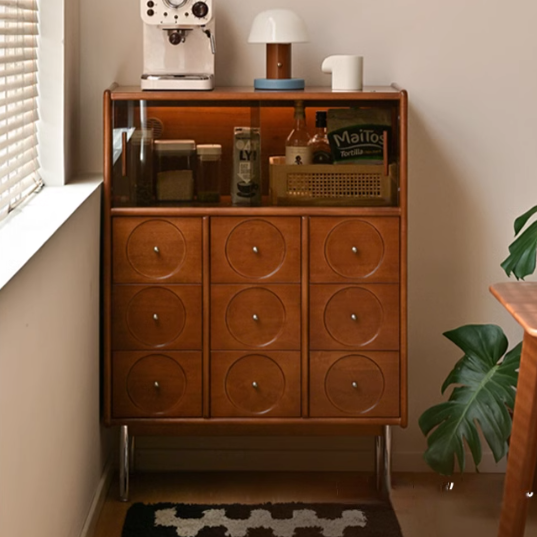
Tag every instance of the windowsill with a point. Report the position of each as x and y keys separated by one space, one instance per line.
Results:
x=32 y=224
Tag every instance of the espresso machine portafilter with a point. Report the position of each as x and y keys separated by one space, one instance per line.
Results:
x=179 y=44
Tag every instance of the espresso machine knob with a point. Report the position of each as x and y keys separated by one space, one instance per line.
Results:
x=200 y=9
x=175 y=37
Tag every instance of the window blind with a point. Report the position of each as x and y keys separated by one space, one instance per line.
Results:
x=19 y=163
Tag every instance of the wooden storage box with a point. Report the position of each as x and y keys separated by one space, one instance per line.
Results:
x=329 y=184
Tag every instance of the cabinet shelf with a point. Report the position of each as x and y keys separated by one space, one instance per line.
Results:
x=219 y=94
x=226 y=208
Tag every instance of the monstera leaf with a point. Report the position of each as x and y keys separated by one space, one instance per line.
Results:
x=522 y=251
x=484 y=393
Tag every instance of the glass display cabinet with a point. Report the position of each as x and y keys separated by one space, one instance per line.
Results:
x=270 y=314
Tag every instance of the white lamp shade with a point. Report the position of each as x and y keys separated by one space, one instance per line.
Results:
x=278 y=26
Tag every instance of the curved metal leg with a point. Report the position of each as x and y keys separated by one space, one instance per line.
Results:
x=379 y=455
x=387 y=459
x=132 y=448
x=124 y=463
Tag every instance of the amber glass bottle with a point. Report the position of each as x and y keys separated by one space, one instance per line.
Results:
x=297 y=150
x=320 y=148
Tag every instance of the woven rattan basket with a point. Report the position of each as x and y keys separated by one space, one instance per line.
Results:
x=342 y=184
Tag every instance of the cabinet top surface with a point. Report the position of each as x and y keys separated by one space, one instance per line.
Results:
x=126 y=93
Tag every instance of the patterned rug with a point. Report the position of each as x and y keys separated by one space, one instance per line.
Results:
x=265 y=520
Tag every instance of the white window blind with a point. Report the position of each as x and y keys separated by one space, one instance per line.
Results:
x=19 y=164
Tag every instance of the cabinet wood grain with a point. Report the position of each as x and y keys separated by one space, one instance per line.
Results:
x=255 y=250
x=250 y=317
x=354 y=316
x=156 y=385
x=354 y=384
x=156 y=317
x=354 y=249
x=259 y=384
x=149 y=250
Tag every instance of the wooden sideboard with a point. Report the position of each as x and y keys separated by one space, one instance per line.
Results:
x=250 y=320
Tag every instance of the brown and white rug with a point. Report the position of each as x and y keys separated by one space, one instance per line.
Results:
x=265 y=520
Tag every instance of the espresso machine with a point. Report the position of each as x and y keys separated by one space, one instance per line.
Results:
x=179 y=44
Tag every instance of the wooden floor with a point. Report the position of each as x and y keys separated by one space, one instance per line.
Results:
x=423 y=506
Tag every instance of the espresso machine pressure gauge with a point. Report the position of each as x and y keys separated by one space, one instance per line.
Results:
x=176 y=3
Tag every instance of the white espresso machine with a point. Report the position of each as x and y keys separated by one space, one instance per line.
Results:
x=179 y=44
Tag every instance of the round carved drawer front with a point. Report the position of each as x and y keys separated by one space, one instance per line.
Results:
x=354 y=384
x=354 y=249
x=353 y=316
x=255 y=384
x=156 y=249
x=156 y=384
x=255 y=249
x=255 y=317
x=156 y=316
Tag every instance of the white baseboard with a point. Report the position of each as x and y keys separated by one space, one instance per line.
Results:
x=99 y=498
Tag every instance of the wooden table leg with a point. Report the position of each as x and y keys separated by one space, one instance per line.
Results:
x=523 y=446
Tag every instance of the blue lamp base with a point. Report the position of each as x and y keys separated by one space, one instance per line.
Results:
x=279 y=84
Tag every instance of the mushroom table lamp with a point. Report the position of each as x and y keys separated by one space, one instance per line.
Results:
x=278 y=28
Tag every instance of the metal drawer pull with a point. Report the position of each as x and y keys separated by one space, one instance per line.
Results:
x=354 y=250
x=255 y=317
x=155 y=317
x=157 y=385
x=255 y=385
x=354 y=317
x=156 y=250
x=355 y=385
x=255 y=250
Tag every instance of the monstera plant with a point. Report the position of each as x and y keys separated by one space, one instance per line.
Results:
x=485 y=378
x=521 y=259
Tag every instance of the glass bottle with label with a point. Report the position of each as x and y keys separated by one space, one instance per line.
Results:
x=297 y=150
x=320 y=147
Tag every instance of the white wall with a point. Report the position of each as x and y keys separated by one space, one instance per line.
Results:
x=469 y=69
x=52 y=451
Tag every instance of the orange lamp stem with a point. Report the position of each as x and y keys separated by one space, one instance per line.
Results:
x=278 y=61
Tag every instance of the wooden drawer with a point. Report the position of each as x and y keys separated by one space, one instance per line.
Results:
x=255 y=249
x=161 y=250
x=354 y=316
x=152 y=317
x=255 y=385
x=358 y=384
x=158 y=385
x=249 y=317
x=354 y=249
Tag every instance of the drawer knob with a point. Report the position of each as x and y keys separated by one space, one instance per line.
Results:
x=255 y=385
x=255 y=317
x=354 y=317
x=255 y=249
x=156 y=250
x=355 y=385
x=157 y=385
x=155 y=317
x=354 y=250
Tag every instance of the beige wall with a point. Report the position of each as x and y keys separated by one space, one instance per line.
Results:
x=469 y=70
x=52 y=451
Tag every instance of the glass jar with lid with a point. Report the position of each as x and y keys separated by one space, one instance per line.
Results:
x=175 y=162
x=139 y=156
x=209 y=172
